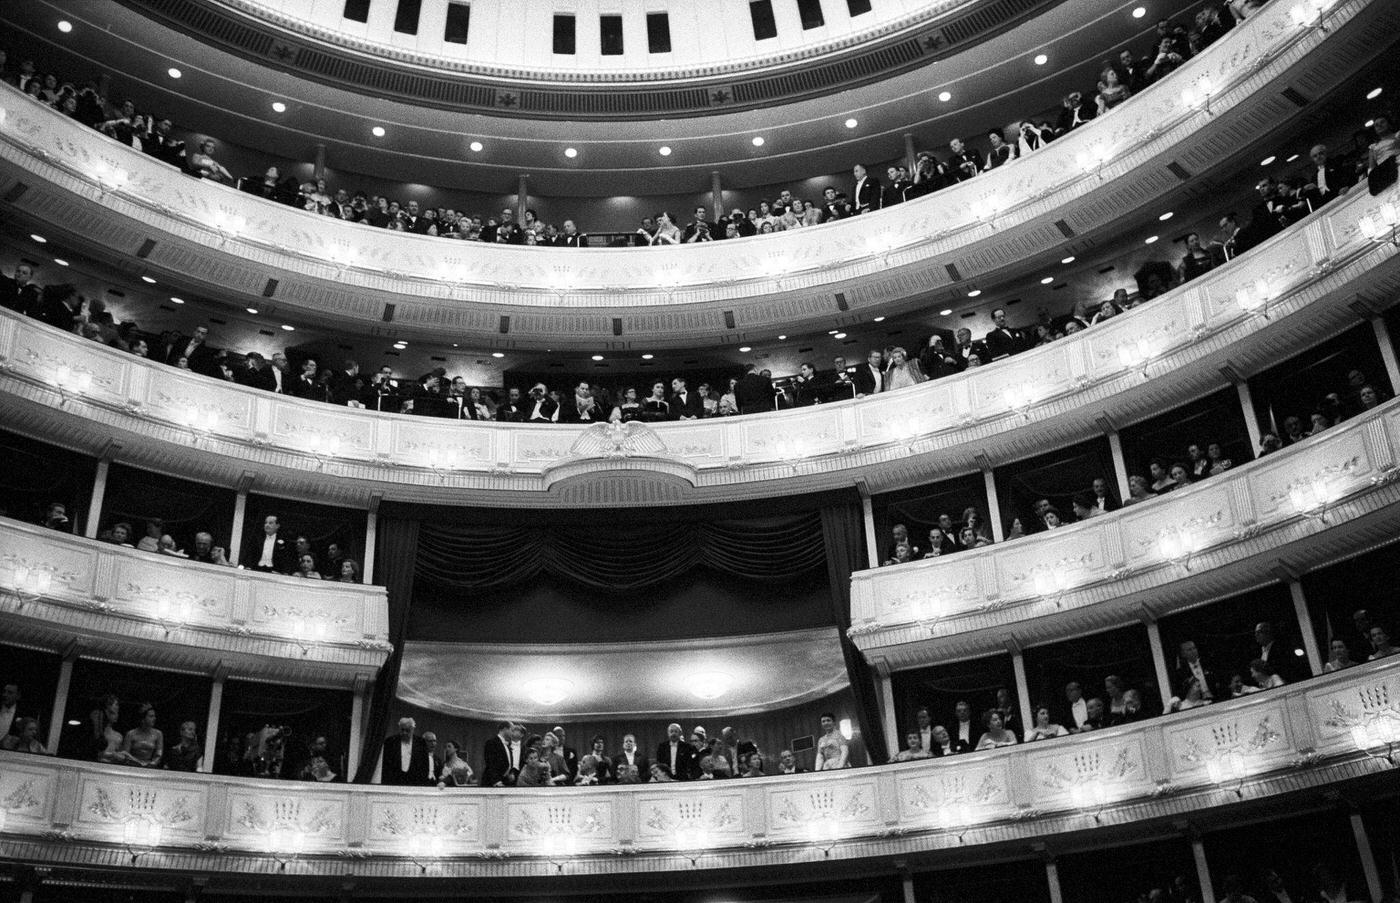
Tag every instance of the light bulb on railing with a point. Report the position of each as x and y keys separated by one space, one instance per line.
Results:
x=1197 y=96
x=1383 y=225
x=1051 y=581
x=69 y=380
x=1177 y=545
x=1254 y=297
x=32 y=580
x=422 y=846
x=141 y=834
x=1133 y=355
x=988 y=207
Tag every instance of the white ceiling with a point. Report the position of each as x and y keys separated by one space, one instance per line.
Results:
x=652 y=679
x=230 y=97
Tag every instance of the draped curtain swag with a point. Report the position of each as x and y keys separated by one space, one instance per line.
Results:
x=620 y=556
x=398 y=547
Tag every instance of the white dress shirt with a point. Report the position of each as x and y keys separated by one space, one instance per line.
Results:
x=1080 y=711
x=926 y=738
x=405 y=755
x=965 y=731
x=675 y=750
x=269 y=546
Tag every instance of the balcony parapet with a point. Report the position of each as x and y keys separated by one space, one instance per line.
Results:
x=162 y=611
x=61 y=385
x=1250 y=751
x=989 y=228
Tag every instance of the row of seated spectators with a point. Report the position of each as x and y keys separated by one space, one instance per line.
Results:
x=272 y=555
x=1173 y=44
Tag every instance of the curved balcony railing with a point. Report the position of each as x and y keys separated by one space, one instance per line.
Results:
x=938 y=429
x=1251 y=750
x=1312 y=503
x=161 y=611
x=1196 y=119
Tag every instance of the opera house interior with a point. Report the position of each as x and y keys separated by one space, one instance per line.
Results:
x=1043 y=483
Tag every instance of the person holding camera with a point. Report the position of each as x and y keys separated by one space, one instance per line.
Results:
x=541 y=408
x=700 y=229
x=56 y=517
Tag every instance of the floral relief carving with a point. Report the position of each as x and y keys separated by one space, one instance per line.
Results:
x=930 y=796
x=140 y=803
x=1332 y=473
x=287 y=813
x=166 y=594
x=691 y=814
x=1369 y=704
x=477 y=451
x=1191 y=525
x=314 y=615
x=1090 y=766
x=1232 y=737
x=424 y=819
x=40 y=360
x=555 y=820
x=823 y=805
x=22 y=798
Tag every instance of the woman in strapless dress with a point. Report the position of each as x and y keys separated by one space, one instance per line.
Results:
x=144 y=745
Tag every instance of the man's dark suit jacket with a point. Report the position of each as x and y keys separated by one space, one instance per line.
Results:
x=547 y=409
x=979 y=348
x=509 y=413
x=687 y=764
x=201 y=361
x=391 y=770
x=302 y=387
x=568 y=412
x=1338 y=180
x=691 y=406
x=961 y=746
x=867 y=383
x=868 y=198
x=284 y=555
x=638 y=758
x=496 y=768
x=577 y=240
x=1003 y=343
x=1292 y=668
x=21 y=300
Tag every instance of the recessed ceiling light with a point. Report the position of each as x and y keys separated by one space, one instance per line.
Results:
x=946 y=312
x=39 y=238
x=1068 y=260
x=597 y=357
x=251 y=310
x=279 y=107
x=1166 y=216
x=664 y=151
x=1268 y=161
x=879 y=319
x=65 y=26
x=744 y=349
x=945 y=96
x=782 y=338
x=496 y=354
x=288 y=328
x=175 y=300
x=1291 y=159
x=757 y=140
x=1151 y=239
x=1041 y=59
x=377 y=131
x=1370 y=122
x=548 y=690
x=60 y=261
x=839 y=335
x=974 y=293
x=475 y=147
x=454 y=345
x=851 y=123
x=148 y=280
x=1370 y=95
x=647 y=357
x=173 y=72
x=832 y=331
x=571 y=152
x=1139 y=12
x=1047 y=280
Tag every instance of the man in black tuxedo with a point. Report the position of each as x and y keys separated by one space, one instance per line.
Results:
x=835 y=205
x=1189 y=666
x=539 y=407
x=700 y=228
x=511 y=410
x=866 y=195
x=582 y=407
x=1074 y=112
x=685 y=405
x=1325 y=180
x=1132 y=73
x=962 y=165
x=571 y=237
x=503 y=755
x=11 y=711
x=632 y=756
x=787 y=763
x=965 y=734
x=805 y=387
x=406 y=761
x=754 y=393
x=948 y=542
x=942 y=743
x=1292 y=668
x=194 y=348
x=346 y=385
x=677 y=756
x=966 y=348
x=1003 y=341
x=935 y=360
x=20 y=294
x=1103 y=499
x=870 y=377
x=898 y=187
x=251 y=372
x=304 y=386
x=273 y=554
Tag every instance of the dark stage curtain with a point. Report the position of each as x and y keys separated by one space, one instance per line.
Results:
x=398 y=548
x=844 y=545
x=620 y=556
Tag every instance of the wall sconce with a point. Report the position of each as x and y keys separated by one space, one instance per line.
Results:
x=824 y=833
x=957 y=815
x=1382 y=226
x=307 y=633
x=229 y=225
x=1254 y=297
x=1083 y=796
x=1377 y=732
x=1020 y=397
x=441 y=464
x=1197 y=96
x=693 y=843
x=1227 y=767
x=423 y=849
x=323 y=448
x=928 y=607
x=109 y=177
x=1094 y=159
x=285 y=845
x=172 y=615
x=1311 y=496
x=1178 y=544
x=199 y=421
x=1310 y=13
x=558 y=847
x=790 y=452
x=1135 y=355
x=1050 y=582
x=988 y=208
x=30 y=583
x=70 y=382
x=140 y=838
